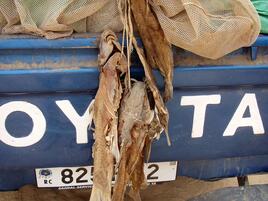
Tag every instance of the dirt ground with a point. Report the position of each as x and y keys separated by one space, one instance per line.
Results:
x=180 y=190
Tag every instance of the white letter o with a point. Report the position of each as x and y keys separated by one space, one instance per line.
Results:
x=39 y=123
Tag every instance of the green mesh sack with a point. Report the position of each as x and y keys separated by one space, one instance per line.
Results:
x=262 y=8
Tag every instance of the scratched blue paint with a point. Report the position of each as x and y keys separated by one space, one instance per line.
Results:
x=211 y=156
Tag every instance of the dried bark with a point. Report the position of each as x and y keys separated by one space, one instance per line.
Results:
x=107 y=101
x=157 y=48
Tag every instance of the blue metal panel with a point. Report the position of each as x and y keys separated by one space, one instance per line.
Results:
x=211 y=156
x=76 y=41
x=212 y=145
x=261 y=42
x=47 y=58
x=47 y=80
x=58 y=146
x=254 y=192
x=29 y=42
x=227 y=167
x=86 y=79
x=26 y=42
x=40 y=81
x=217 y=76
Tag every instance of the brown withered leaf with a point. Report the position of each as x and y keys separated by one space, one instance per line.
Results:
x=107 y=101
x=158 y=49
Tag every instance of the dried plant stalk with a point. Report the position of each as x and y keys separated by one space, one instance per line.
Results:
x=157 y=48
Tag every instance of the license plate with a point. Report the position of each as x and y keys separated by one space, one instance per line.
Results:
x=83 y=176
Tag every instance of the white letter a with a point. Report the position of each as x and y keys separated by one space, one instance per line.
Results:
x=254 y=121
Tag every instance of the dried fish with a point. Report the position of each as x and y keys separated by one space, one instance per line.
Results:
x=132 y=131
x=135 y=127
x=107 y=101
x=131 y=110
x=134 y=154
x=126 y=122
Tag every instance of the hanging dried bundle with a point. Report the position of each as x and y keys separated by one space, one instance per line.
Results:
x=124 y=118
x=128 y=114
x=112 y=64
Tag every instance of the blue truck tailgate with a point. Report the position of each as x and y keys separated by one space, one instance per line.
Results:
x=218 y=116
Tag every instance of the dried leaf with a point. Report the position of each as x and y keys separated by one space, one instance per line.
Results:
x=157 y=48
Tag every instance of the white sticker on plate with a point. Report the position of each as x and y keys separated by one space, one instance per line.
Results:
x=83 y=176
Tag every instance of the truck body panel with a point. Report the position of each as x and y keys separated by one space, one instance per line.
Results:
x=226 y=136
